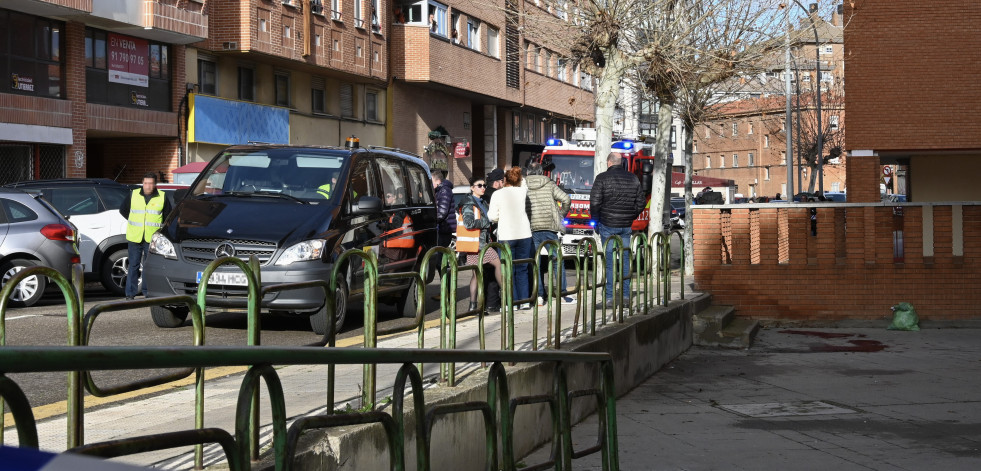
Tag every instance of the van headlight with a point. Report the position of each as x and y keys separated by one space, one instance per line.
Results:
x=161 y=246
x=306 y=250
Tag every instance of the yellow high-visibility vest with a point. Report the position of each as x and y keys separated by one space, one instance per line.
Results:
x=324 y=190
x=145 y=218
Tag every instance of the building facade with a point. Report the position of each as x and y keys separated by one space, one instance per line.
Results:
x=465 y=74
x=94 y=86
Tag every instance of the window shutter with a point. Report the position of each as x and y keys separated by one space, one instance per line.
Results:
x=347 y=100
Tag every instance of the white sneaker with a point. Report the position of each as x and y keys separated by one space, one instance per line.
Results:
x=524 y=306
x=541 y=301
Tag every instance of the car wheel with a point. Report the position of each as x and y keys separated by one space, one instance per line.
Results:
x=318 y=320
x=168 y=317
x=405 y=305
x=29 y=291
x=113 y=273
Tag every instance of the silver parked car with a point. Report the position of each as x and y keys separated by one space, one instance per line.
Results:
x=33 y=233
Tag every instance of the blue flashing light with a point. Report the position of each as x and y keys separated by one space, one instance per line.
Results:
x=554 y=142
x=565 y=222
x=592 y=223
x=622 y=145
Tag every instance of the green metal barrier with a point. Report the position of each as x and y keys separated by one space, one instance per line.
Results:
x=618 y=278
x=76 y=425
x=368 y=393
x=497 y=409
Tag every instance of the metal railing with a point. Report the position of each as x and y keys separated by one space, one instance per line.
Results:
x=497 y=411
x=588 y=279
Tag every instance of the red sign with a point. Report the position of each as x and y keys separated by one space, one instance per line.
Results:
x=461 y=150
x=129 y=60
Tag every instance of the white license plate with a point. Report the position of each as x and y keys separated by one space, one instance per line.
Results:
x=230 y=279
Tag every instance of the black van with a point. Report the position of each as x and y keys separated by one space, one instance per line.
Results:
x=296 y=209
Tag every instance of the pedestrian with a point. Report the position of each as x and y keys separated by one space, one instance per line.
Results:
x=514 y=228
x=145 y=210
x=549 y=205
x=615 y=201
x=445 y=214
x=473 y=216
x=492 y=290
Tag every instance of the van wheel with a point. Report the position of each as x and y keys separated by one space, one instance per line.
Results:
x=318 y=320
x=168 y=317
x=29 y=291
x=405 y=305
x=114 y=270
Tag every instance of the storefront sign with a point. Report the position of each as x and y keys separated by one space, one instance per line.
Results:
x=21 y=82
x=138 y=99
x=129 y=60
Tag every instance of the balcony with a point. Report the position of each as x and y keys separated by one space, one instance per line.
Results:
x=159 y=20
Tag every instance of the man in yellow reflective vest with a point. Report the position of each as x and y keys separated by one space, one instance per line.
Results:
x=145 y=212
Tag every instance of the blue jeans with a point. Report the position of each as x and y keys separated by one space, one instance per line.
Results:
x=624 y=233
x=520 y=248
x=136 y=252
x=537 y=238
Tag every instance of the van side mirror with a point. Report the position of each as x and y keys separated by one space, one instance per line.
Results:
x=367 y=205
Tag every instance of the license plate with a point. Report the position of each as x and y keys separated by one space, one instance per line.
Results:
x=228 y=279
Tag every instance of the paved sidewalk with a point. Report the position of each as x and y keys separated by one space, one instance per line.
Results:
x=807 y=399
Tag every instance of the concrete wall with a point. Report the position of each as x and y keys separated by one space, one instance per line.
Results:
x=639 y=347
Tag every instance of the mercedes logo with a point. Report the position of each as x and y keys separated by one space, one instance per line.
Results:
x=225 y=250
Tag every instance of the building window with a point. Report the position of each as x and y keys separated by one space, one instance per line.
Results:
x=735 y=160
x=750 y=161
x=437 y=19
x=827 y=49
x=246 y=83
x=750 y=131
x=207 y=75
x=335 y=10
x=493 y=42
x=833 y=121
x=708 y=162
x=282 y=80
x=375 y=20
x=708 y=132
x=560 y=69
x=722 y=161
x=318 y=95
x=31 y=59
x=806 y=78
x=735 y=129
x=371 y=106
x=674 y=137
x=766 y=173
x=358 y=15
x=766 y=140
x=347 y=100
x=473 y=34
x=537 y=57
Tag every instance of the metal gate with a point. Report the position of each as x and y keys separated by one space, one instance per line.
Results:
x=19 y=162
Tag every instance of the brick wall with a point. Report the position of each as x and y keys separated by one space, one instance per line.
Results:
x=769 y=263
x=134 y=157
x=913 y=69
x=75 y=94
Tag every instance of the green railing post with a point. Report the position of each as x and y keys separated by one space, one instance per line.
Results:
x=638 y=245
x=368 y=393
x=447 y=305
x=681 y=271
x=75 y=422
x=507 y=292
x=553 y=307
x=666 y=266
x=243 y=414
x=20 y=408
x=617 y=263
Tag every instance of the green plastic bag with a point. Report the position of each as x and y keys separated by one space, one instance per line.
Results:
x=904 y=318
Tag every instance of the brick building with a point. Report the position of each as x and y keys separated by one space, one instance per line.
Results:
x=94 y=86
x=460 y=67
x=912 y=97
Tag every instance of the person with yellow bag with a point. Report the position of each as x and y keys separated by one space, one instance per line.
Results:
x=473 y=233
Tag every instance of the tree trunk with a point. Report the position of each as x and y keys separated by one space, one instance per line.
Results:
x=607 y=93
x=689 y=248
x=659 y=220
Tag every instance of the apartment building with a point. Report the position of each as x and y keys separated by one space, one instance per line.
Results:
x=490 y=95
x=94 y=86
x=288 y=72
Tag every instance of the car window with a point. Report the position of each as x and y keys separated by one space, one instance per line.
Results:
x=72 y=201
x=420 y=190
x=392 y=183
x=17 y=212
x=362 y=183
x=113 y=198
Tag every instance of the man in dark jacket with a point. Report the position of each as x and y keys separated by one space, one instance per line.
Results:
x=445 y=213
x=615 y=201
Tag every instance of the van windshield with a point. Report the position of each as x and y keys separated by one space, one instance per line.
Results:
x=304 y=175
x=572 y=172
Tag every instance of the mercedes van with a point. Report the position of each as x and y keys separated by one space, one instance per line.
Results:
x=296 y=209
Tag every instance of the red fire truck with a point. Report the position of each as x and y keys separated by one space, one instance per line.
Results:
x=569 y=163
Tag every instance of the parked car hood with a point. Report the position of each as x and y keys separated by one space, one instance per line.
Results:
x=254 y=218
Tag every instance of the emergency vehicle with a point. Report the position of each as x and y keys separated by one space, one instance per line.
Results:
x=569 y=163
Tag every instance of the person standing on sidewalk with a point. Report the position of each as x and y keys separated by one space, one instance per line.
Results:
x=145 y=212
x=492 y=290
x=615 y=200
x=473 y=216
x=549 y=204
x=514 y=227
x=445 y=214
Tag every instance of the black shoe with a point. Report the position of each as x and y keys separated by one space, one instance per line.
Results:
x=494 y=309
x=130 y=298
x=473 y=307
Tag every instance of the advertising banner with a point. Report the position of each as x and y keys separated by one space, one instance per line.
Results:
x=129 y=60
